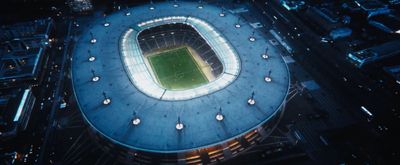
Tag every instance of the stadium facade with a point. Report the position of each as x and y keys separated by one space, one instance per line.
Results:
x=134 y=117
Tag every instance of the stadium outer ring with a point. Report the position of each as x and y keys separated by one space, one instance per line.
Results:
x=95 y=127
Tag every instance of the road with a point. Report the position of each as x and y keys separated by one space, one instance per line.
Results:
x=57 y=97
x=327 y=64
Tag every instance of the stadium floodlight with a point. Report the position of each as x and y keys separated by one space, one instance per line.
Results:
x=92 y=40
x=106 y=100
x=92 y=58
x=151 y=5
x=176 y=4
x=219 y=115
x=237 y=25
x=200 y=6
x=222 y=14
x=179 y=125
x=251 y=100
x=106 y=23
x=267 y=79
x=252 y=38
x=265 y=55
x=136 y=119
x=95 y=78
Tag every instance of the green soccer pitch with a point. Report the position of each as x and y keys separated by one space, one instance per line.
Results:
x=176 y=69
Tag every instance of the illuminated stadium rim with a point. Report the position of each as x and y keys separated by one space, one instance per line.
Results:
x=140 y=73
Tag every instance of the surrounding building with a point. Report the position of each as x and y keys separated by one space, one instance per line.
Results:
x=16 y=105
x=23 y=52
x=373 y=7
x=23 y=55
x=372 y=54
x=388 y=23
x=394 y=72
x=80 y=6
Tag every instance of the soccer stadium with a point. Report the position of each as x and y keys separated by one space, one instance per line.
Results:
x=183 y=83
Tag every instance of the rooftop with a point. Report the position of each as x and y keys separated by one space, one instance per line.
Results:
x=110 y=104
x=20 y=59
x=13 y=108
x=378 y=52
x=22 y=49
x=394 y=71
x=387 y=23
x=370 y=4
x=37 y=28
